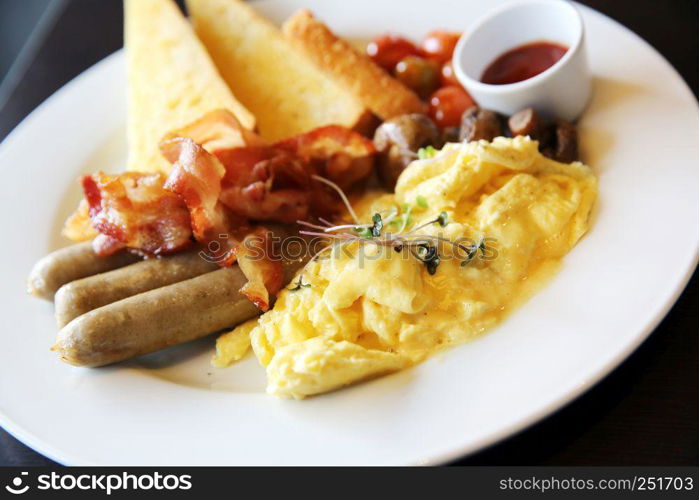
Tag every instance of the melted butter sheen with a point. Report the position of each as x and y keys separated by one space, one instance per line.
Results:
x=372 y=311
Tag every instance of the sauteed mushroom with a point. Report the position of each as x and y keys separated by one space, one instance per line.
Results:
x=398 y=141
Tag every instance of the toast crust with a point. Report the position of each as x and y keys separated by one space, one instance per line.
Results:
x=282 y=87
x=380 y=92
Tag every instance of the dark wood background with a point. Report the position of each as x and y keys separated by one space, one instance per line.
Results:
x=645 y=413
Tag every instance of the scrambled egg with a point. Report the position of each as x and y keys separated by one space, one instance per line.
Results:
x=365 y=310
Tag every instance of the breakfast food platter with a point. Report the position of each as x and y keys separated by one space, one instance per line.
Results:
x=173 y=407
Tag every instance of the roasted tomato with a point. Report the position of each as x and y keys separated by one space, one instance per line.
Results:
x=388 y=50
x=447 y=77
x=419 y=74
x=439 y=44
x=448 y=104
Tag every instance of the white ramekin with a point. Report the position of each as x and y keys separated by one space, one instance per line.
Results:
x=561 y=91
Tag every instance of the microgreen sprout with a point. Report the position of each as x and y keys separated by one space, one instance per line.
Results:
x=298 y=285
x=378 y=225
x=363 y=232
x=427 y=253
x=473 y=250
x=425 y=153
x=442 y=219
x=424 y=247
x=339 y=191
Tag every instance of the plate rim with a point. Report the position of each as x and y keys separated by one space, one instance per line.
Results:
x=618 y=360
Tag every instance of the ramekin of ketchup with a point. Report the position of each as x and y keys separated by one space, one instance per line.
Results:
x=523 y=62
x=527 y=54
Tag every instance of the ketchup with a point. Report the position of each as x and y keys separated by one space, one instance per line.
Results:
x=523 y=62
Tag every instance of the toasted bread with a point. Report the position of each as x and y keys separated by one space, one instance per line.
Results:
x=171 y=80
x=356 y=72
x=279 y=84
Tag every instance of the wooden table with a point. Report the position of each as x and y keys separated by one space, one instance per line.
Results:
x=645 y=413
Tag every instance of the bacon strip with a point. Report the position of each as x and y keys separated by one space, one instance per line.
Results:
x=334 y=152
x=273 y=183
x=196 y=177
x=104 y=245
x=223 y=177
x=261 y=182
x=264 y=184
x=264 y=273
x=133 y=209
x=78 y=226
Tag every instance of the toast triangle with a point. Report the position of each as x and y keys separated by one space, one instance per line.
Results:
x=172 y=81
x=278 y=83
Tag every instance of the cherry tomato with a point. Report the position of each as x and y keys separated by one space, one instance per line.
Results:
x=439 y=44
x=388 y=50
x=418 y=74
x=447 y=75
x=448 y=104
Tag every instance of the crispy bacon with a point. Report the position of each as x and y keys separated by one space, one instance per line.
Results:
x=263 y=272
x=252 y=180
x=135 y=210
x=196 y=177
x=334 y=152
x=273 y=183
x=261 y=182
x=104 y=245
x=78 y=227
x=264 y=184
x=223 y=179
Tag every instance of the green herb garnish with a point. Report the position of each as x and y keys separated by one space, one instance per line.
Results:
x=364 y=232
x=378 y=225
x=373 y=231
x=472 y=251
x=442 y=219
x=427 y=253
x=299 y=285
x=402 y=221
x=432 y=265
x=426 y=152
x=422 y=246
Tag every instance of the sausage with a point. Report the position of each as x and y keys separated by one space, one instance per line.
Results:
x=477 y=124
x=159 y=318
x=80 y=296
x=398 y=141
x=69 y=264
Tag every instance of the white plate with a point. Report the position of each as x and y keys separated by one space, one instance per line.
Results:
x=641 y=134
